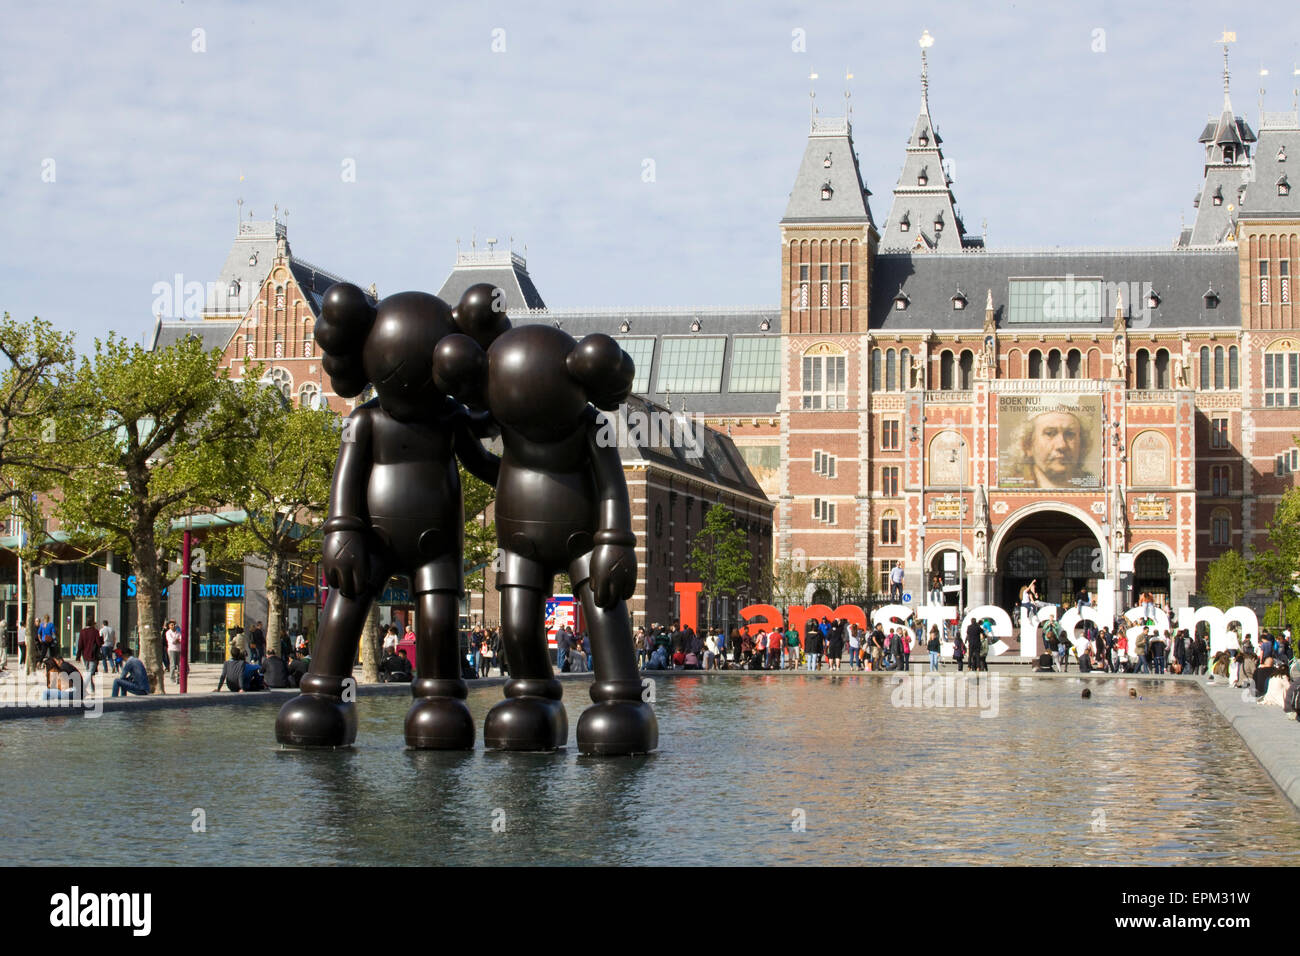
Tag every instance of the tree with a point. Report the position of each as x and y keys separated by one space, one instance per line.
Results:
x=480 y=536
x=1226 y=580
x=1277 y=571
x=33 y=403
x=153 y=434
x=790 y=581
x=720 y=558
x=283 y=489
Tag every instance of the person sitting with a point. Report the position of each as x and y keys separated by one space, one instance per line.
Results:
x=68 y=683
x=1265 y=674
x=134 y=680
x=239 y=675
x=274 y=670
x=1044 y=663
x=658 y=659
x=298 y=667
x=1222 y=665
x=395 y=668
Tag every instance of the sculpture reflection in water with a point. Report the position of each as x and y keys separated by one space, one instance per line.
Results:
x=395 y=508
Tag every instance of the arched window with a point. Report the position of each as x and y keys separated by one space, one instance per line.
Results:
x=889 y=527
x=1054 y=364
x=966 y=368
x=1205 y=366
x=945 y=370
x=1078 y=563
x=891 y=371
x=280 y=379
x=1218 y=366
x=824 y=383
x=1233 y=381
x=1162 y=368
x=1035 y=364
x=875 y=370
x=905 y=369
x=1073 y=363
x=309 y=395
x=1141 y=369
x=1026 y=561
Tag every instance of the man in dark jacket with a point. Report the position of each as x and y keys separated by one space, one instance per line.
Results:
x=975 y=645
x=88 y=645
x=274 y=670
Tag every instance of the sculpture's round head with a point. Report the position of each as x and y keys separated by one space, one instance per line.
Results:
x=388 y=345
x=535 y=379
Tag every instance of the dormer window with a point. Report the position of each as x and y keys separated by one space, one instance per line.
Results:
x=904 y=224
x=959 y=301
x=922 y=178
x=1229 y=154
x=923 y=140
x=765 y=326
x=695 y=325
x=938 y=225
x=1211 y=298
x=827 y=192
x=827 y=161
x=625 y=326
x=1153 y=300
x=234 y=287
x=1283 y=187
x=1218 y=196
x=901 y=300
x=252 y=260
x=1281 y=154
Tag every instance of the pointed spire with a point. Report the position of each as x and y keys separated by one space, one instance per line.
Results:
x=925 y=42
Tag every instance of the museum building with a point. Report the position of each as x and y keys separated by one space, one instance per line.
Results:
x=918 y=399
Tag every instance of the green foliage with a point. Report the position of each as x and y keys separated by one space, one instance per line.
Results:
x=151 y=436
x=480 y=537
x=1226 y=580
x=720 y=558
x=1277 y=571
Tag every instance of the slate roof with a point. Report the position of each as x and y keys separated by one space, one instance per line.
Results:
x=1180 y=277
x=247 y=263
x=727 y=322
x=921 y=206
x=704 y=452
x=848 y=200
x=215 y=333
x=507 y=271
x=1225 y=178
x=1277 y=131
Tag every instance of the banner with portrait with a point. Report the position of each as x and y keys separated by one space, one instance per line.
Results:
x=1050 y=442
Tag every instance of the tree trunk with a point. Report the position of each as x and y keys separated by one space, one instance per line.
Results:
x=148 y=587
x=276 y=572
x=372 y=646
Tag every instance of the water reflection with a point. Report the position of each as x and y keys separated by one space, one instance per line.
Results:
x=753 y=769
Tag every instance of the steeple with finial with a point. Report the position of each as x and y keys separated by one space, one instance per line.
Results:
x=923 y=216
x=1227 y=140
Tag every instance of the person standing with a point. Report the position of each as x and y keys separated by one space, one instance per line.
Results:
x=896 y=583
x=974 y=644
x=933 y=648
x=22 y=643
x=877 y=648
x=562 y=645
x=44 y=639
x=812 y=644
x=108 y=647
x=88 y=643
x=173 y=637
x=958 y=651
x=835 y=644
x=855 y=647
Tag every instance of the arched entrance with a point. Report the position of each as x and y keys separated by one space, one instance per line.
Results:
x=947 y=565
x=1055 y=544
x=1151 y=573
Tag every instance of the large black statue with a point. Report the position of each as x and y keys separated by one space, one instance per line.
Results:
x=395 y=508
x=561 y=504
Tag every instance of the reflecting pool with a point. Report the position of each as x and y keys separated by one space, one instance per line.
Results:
x=753 y=769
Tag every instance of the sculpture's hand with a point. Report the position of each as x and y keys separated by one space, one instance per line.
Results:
x=348 y=565
x=613 y=573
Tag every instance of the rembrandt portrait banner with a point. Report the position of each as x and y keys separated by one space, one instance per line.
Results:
x=1049 y=442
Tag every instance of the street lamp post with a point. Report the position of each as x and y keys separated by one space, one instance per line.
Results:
x=185 y=604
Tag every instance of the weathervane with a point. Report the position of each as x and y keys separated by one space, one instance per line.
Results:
x=925 y=42
x=1229 y=36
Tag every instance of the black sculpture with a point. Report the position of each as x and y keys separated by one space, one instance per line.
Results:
x=561 y=504
x=395 y=508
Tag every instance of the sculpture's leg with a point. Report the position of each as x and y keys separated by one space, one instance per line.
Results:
x=324 y=714
x=619 y=721
x=532 y=716
x=439 y=719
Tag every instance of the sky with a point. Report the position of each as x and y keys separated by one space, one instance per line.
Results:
x=643 y=152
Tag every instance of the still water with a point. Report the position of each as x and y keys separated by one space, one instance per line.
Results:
x=753 y=769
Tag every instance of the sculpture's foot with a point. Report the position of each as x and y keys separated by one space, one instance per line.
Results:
x=616 y=727
x=530 y=718
x=316 y=720
x=439 y=723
